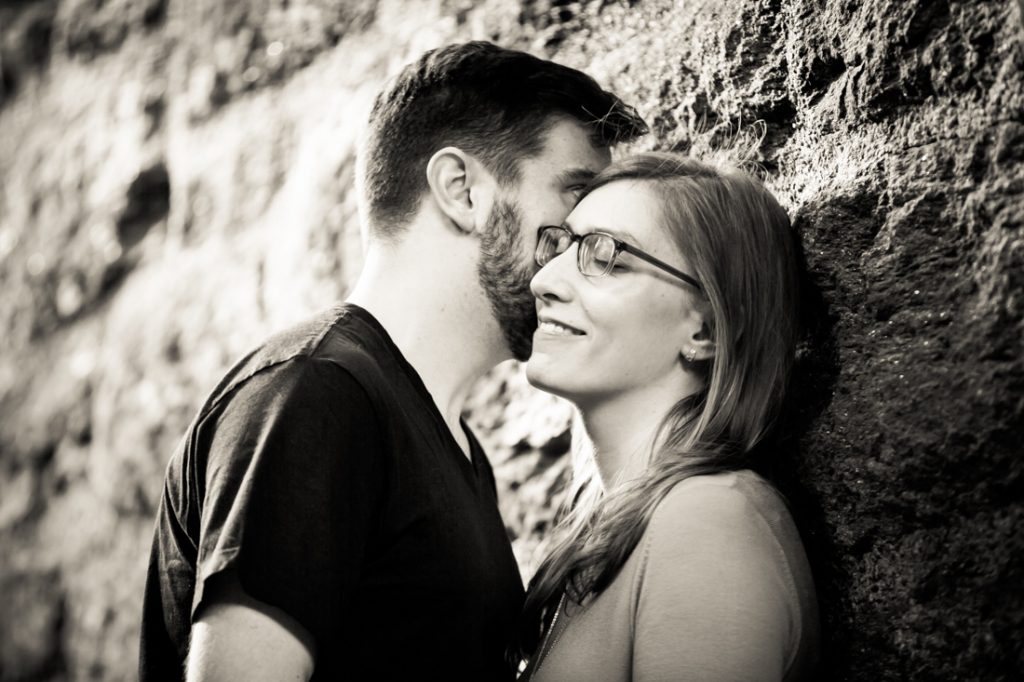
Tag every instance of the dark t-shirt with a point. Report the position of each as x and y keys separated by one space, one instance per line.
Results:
x=321 y=472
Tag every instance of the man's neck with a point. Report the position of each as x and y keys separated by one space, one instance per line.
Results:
x=444 y=330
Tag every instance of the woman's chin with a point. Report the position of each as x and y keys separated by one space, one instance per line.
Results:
x=541 y=377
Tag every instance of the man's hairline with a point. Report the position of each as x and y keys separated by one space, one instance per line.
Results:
x=550 y=122
x=513 y=182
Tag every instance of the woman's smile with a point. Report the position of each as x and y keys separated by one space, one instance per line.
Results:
x=551 y=327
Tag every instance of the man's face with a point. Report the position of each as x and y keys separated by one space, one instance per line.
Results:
x=545 y=194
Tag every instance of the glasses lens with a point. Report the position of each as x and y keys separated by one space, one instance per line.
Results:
x=597 y=255
x=553 y=241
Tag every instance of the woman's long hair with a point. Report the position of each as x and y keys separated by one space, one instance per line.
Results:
x=738 y=241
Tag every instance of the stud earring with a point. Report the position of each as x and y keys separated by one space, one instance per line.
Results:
x=691 y=355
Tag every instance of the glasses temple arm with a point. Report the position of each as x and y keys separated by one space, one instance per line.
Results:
x=663 y=265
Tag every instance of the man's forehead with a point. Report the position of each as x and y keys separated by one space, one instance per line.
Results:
x=572 y=148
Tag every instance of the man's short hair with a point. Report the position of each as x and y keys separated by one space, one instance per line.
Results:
x=491 y=102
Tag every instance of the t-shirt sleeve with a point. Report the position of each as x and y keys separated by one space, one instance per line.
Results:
x=292 y=484
x=712 y=600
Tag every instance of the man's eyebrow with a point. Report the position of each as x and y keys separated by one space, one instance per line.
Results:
x=576 y=175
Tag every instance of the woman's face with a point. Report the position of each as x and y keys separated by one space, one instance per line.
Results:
x=625 y=331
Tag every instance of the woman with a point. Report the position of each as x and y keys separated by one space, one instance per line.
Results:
x=667 y=311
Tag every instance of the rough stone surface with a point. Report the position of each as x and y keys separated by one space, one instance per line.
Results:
x=175 y=184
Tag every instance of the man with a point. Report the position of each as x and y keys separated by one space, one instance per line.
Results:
x=329 y=514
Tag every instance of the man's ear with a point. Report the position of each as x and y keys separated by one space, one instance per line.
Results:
x=461 y=188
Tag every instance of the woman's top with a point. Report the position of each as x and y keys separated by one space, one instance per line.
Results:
x=718 y=588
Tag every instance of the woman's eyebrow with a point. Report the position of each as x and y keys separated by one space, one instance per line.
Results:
x=621 y=236
x=628 y=238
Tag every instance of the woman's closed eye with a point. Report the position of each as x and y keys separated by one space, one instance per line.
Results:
x=617 y=265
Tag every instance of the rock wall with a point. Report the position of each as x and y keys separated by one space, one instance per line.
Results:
x=175 y=184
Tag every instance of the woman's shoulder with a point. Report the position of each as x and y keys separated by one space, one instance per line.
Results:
x=722 y=548
x=731 y=496
x=727 y=517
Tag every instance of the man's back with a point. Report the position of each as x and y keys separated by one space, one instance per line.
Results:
x=322 y=475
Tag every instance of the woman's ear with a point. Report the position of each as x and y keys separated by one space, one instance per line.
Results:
x=700 y=346
x=699 y=337
x=461 y=188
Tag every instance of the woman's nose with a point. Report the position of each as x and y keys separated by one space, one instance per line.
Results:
x=553 y=281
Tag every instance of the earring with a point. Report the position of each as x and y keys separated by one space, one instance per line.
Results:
x=691 y=355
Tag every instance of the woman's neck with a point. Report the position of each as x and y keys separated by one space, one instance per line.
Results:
x=623 y=428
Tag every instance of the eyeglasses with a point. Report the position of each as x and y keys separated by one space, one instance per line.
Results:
x=597 y=252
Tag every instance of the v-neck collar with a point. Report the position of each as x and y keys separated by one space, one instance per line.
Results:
x=471 y=464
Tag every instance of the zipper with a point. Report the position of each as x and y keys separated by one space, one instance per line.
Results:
x=551 y=639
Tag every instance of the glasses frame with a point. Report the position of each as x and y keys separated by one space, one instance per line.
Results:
x=620 y=246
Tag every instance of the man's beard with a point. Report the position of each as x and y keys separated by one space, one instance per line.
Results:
x=506 y=280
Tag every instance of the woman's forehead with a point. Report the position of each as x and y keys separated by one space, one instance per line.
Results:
x=626 y=209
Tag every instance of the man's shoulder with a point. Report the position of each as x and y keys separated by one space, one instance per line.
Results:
x=341 y=334
x=338 y=340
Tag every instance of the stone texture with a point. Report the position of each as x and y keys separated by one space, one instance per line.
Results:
x=175 y=184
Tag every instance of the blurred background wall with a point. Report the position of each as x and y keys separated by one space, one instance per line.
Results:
x=175 y=184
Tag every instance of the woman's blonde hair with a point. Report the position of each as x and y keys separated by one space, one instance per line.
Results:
x=738 y=241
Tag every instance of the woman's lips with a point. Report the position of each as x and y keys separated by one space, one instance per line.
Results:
x=556 y=328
